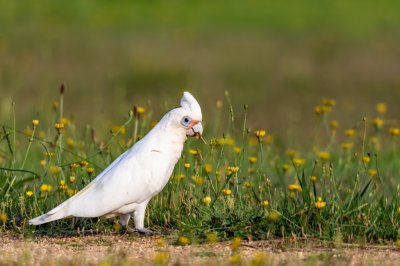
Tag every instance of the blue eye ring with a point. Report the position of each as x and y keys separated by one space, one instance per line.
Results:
x=186 y=121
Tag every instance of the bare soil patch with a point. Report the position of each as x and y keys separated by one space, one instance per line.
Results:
x=130 y=249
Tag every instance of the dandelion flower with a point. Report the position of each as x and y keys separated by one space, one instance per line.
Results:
x=29 y=193
x=193 y=152
x=226 y=192
x=313 y=178
x=286 y=167
x=252 y=159
x=298 y=161
x=212 y=237
x=378 y=122
x=72 y=179
x=260 y=134
x=59 y=126
x=161 y=258
x=90 y=170
x=208 y=168
x=237 y=150
x=207 y=200
x=324 y=155
x=328 y=102
x=73 y=165
x=54 y=169
x=349 y=132
x=43 y=163
x=247 y=184
x=183 y=241
x=46 y=188
x=372 y=172
x=236 y=242
x=394 y=131
x=3 y=217
x=333 y=125
x=35 y=123
x=320 y=204
x=381 y=108
x=186 y=165
x=294 y=187
x=265 y=203
x=273 y=216
x=84 y=163
x=232 y=170
x=346 y=146
x=366 y=159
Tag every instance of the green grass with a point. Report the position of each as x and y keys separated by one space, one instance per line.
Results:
x=355 y=175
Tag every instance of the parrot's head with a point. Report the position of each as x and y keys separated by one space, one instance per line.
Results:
x=188 y=116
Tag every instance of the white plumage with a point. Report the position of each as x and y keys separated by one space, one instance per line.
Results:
x=126 y=186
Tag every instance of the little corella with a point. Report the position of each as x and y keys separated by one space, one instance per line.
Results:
x=126 y=186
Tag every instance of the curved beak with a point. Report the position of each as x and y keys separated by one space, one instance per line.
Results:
x=195 y=130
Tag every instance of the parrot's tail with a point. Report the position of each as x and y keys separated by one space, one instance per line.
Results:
x=49 y=217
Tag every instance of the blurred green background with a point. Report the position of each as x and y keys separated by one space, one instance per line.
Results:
x=279 y=57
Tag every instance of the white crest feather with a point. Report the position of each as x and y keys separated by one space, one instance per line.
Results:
x=190 y=103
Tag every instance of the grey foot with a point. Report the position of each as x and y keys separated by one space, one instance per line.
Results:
x=145 y=231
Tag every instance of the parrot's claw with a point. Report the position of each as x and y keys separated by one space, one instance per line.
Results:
x=147 y=232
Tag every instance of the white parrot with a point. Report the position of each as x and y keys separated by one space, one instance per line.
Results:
x=126 y=186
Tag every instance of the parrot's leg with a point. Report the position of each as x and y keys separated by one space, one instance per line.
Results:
x=123 y=221
x=138 y=216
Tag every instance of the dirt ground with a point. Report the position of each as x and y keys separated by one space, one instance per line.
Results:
x=137 y=250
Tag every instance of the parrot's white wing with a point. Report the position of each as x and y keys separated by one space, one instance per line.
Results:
x=127 y=180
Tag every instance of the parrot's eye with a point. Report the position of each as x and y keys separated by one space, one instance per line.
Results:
x=186 y=121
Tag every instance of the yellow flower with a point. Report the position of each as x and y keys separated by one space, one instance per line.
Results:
x=235 y=259
x=265 y=203
x=286 y=167
x=186 y=165
x=320 y=204
x=366 y=159
x=3 y=217
x=226 y=192
x=381 y=108
x=260 y=134
x=140 y=110
x=72 y=179
x=73 y=165
x=118 y=129
x=59 y=126
x=212 y=237
x=160 y=242
x=232 y=170
x=324 y=155
x=329 y=102
x=236 y=242
x=372 y=172
x=62 y=185
x=207 y=200
x=71 y=192
x=198 y=180
x=298 y=161
x=292 y=153
x=54 y=170
x=394 y=131
x=208 y=168
x=237 y=150
x=346 y=146
x=35 y=123
x=313 y=178
x=247 y=185
x=319 y=110
x=161 y=258
x=28 y=131
x=43 y=163
x=378 y=122
x=84 y=163
x=333 y=125
x=349 y=132
x=193 y=152
x=259 y=258
x=49 y=154
x=273 y=216
x=70 y=143
x=46 y=188
x=29 y=193
x=398 y=210
x=183 y=241
x=294 y=187
x=252 y=159
x=90 y=170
